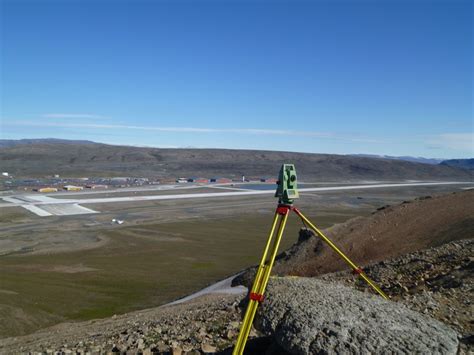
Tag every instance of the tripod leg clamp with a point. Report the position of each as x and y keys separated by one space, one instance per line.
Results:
x=256 y=297
x=283 y=210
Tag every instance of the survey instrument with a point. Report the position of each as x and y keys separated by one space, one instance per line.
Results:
x=287 y=192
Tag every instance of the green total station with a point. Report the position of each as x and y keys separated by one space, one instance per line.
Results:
x=287 y=189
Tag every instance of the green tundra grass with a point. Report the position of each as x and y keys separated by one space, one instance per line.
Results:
x=141 y=266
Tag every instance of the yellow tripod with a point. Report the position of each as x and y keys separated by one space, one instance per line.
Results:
x=265 y=267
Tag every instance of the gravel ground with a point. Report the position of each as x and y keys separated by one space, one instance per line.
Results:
x=203 y=325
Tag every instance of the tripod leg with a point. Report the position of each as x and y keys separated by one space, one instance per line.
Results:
x=268 y=270
x=247 y=321
x=261 y=279
x=356 y=269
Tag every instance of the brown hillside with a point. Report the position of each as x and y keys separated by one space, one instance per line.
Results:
x=389 y=232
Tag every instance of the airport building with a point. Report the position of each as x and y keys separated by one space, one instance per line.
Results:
x=46 y=189
x=197 y=179
x=220 y=180
x=97 y=187
x=72 y=188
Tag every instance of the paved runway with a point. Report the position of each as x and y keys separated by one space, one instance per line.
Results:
x=44 y=206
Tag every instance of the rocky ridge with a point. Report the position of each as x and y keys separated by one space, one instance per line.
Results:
x=390 y=232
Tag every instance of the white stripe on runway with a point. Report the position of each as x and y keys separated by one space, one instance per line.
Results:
x=63 y=209
x=13 y=200
x=36 y=210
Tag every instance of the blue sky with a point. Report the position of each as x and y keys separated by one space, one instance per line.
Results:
x=381 y=77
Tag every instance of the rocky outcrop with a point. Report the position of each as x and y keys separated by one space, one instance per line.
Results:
x=438 y=282
x=310 y=316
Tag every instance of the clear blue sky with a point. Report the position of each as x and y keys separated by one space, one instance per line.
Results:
x=380 y=77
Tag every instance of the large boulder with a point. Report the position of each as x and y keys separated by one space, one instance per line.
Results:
x=310 y=316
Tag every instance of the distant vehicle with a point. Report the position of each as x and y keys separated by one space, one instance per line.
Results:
x=182 y=181
x=117 y=221
x=268 y=180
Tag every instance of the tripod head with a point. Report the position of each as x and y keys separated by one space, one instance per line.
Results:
x=287 y=189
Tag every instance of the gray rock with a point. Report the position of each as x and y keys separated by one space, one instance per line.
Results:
x=310 y=316
x=208 y=348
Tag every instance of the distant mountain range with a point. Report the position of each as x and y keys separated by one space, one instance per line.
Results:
x=39 y=158
x=433 y=161
x=457 y=163
x=460 y=163
x=15 y=142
